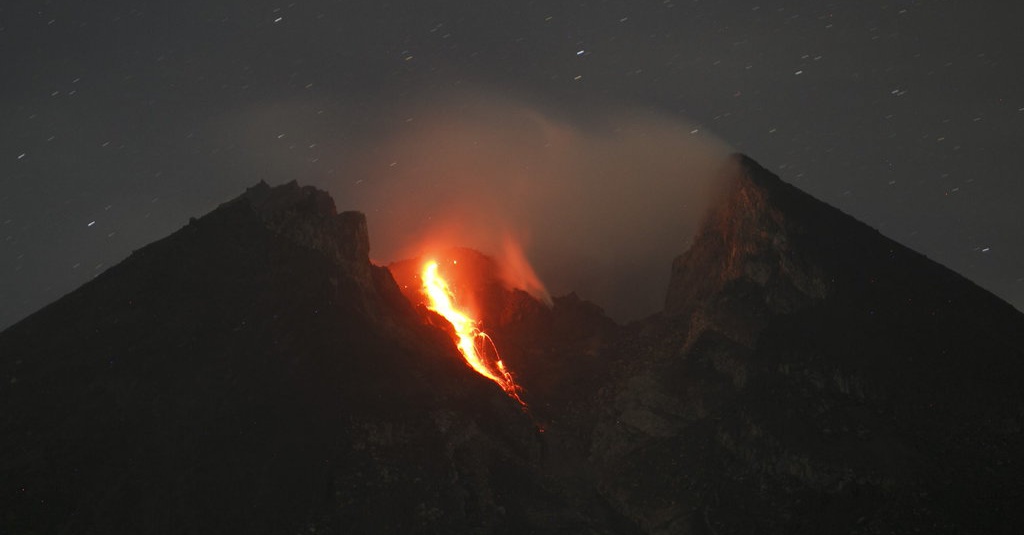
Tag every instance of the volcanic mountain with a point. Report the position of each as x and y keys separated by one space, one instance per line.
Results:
x=255 y=372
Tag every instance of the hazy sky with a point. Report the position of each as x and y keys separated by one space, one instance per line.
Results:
x=119 y=120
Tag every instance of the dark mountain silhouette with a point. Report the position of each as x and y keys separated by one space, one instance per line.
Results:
x=809 y=375
x=254 y=372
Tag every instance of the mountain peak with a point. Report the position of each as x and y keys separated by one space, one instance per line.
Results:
x=308 y=217
x=772 y=249
x=748 y=239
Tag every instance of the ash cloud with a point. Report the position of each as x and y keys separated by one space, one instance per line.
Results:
x=599 y=205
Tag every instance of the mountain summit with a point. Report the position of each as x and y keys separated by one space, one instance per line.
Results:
x=810 y=375
x=254 y=372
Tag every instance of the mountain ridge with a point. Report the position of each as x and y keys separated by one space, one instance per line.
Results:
x=833 y=379
x=254 y=371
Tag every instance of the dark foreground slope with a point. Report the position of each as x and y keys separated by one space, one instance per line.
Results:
x=254 y=373
x=809 y=375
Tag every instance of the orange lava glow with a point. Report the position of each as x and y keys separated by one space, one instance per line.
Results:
x=475 y=345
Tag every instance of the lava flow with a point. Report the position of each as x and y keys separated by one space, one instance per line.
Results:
x=475 y=345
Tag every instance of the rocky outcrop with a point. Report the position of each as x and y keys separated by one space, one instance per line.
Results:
x=810 y=375
x=753 y=237
x=307 y=217
x=253 y=372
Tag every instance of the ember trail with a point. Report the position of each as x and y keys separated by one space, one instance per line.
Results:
x=475 y=345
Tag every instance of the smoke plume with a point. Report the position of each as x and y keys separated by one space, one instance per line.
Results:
x=599 y=207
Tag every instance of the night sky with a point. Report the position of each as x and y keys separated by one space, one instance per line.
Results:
x=120 y=120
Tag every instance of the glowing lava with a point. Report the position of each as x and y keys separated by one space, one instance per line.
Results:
x=475 y=345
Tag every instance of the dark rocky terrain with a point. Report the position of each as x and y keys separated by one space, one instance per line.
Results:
x=254 y=372
x=809 y=375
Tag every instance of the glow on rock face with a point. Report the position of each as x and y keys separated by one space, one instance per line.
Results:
x=475 y=345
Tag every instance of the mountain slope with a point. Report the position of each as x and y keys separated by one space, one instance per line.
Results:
x=810 y=375
x=254 y=373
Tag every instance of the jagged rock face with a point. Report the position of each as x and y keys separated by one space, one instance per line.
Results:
x=748 y=248
x=254 y=373
x=307 y=217
x=810 y=375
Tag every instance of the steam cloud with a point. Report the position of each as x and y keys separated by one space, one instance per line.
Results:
x=598 y=199
x=599 y=207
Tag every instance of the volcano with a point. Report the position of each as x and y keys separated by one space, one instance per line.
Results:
x=255 y=372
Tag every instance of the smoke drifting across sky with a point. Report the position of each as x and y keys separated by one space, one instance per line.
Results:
x=600 y=206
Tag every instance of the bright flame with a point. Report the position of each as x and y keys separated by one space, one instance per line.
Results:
x=475 y=345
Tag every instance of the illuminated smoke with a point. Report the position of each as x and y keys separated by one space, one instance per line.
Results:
x=598 y=200
x=599 y=208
